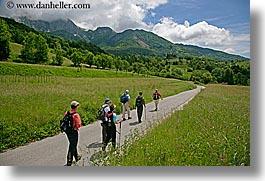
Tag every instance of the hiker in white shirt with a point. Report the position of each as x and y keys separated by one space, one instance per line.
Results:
x=125 y=100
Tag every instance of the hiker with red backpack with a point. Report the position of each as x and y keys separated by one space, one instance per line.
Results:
x=156 y=96
x=70 y=125
x=102 y=112
x=111 y=120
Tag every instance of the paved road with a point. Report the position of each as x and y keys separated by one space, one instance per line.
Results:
x=52 y=151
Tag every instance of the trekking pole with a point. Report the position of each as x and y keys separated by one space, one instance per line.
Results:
x=121 y=111
x=120 y=135
x=145 y=114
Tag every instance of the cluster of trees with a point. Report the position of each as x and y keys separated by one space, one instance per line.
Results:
x=4 y=40
x=37 y=47
x=206 y=71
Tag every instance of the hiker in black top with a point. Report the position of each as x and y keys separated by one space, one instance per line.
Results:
x=73 y=134
x=140 y=103
x=111 y=128
x=106 y=108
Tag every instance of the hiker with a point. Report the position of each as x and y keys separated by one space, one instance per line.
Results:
x=111 y=127
x=106 y=109
x=125 y=100
x=73 y=134
x=140 y=103
x=156 y=96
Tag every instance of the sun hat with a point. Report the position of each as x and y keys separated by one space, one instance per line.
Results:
x=74 y=103
x=107 y=101
x=113 y=106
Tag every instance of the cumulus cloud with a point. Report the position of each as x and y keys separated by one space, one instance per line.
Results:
x=122 y=14
x=201 y=34
x=119 y=14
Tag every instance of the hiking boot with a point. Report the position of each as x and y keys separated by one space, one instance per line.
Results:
x=129 y=117
x=68 y=164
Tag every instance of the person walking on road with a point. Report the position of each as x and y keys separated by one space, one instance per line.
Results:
x=156 y=96
x=111 y=127
x=140 y=104
x=73 y=134
x=105 y=108
x=125 y=100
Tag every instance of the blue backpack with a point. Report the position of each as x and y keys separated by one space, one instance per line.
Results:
x=124 y=98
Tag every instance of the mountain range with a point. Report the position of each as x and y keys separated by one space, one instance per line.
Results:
x=128 y=42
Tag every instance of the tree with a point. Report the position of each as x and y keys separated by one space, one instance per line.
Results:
x=89 y=58
x=98 y=61
x=77 y=58
x=177 y=71
x=207 y=77
x=107 y=61
x=4 y=40
x=58 y=59
x=229 y=76
x=125 y=65
x=218 y=74
x=35 y=49
x=117 y=63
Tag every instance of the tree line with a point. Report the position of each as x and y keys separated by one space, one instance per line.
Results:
x=37 y=46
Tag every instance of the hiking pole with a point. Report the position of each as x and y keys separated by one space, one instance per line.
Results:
x=145 y=114
x=120 y=136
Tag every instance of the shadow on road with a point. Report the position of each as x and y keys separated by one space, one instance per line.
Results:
x=94 y=145
x=134 y=123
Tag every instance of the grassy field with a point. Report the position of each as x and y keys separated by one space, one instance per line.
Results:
x=34 y=98
x=20 y=69
x=212 y=130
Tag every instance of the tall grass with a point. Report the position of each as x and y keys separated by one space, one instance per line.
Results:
x=20 y=69
x=33 y=105
x=212 y=130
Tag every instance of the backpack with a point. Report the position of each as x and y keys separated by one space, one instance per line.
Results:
x=101 y=113
x=139 y=101
x=155 y=96
x=66 y=124
x=123 y=98
x=109 y=121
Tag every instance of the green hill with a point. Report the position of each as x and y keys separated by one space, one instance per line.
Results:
x=128 y=42
x=19 y=31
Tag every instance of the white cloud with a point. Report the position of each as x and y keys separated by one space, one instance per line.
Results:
x=229 y=50
x=202 y=34
x=130 y=14
x=119 y=14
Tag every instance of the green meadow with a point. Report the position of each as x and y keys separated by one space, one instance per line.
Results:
x=212 y=130
x=34 y=97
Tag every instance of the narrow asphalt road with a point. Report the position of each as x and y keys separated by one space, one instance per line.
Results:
x=52 y=151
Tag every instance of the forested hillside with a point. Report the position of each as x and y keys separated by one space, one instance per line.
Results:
x=128 y=42
x=41 y=48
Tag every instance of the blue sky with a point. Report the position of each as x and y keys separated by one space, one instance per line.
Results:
x=217 y=24
x=229 y=14
x=232 y=15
